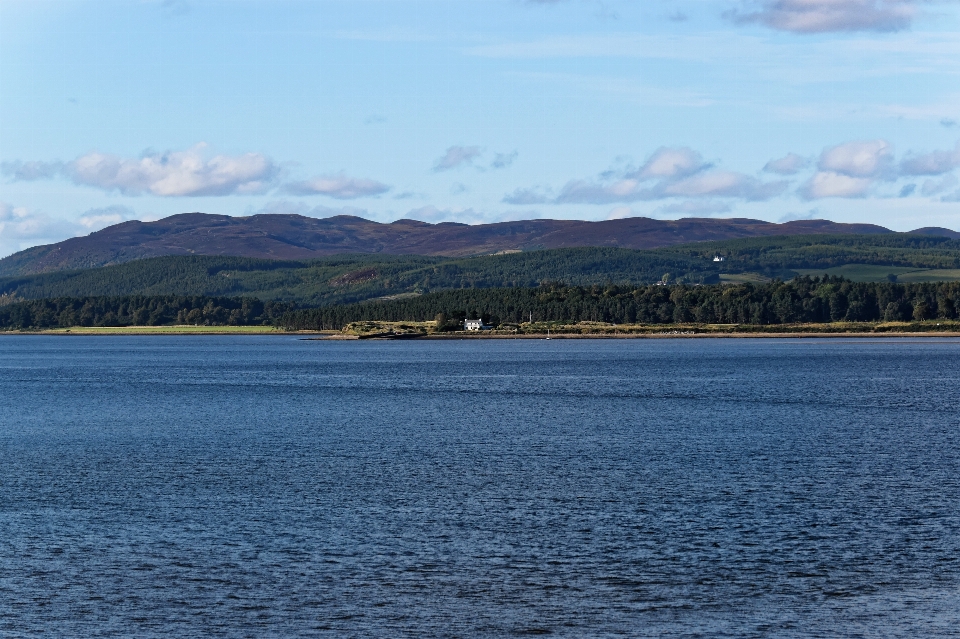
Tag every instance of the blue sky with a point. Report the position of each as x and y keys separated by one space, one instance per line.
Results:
x=477 y=111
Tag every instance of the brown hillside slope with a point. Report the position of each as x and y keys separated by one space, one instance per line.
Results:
x=298 y=237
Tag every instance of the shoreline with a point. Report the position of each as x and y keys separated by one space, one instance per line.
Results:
x=337 y=336
x=740 y=335
x=393 y=331
x=164 y=331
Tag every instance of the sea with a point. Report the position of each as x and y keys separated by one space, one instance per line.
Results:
x=270 y=486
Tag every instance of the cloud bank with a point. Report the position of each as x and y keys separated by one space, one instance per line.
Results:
x=933 y=163
x=677 y=172
x=850 y=169
x=854 y=169
x=96 y=219
x=690 y=184
x=790 y=164
x=338 y=186
x=171 y=174
x=821 y=16
x=21 y=227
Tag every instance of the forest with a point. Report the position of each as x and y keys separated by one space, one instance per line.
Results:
x=347 y=279
x=803 y=300
x=139 y=310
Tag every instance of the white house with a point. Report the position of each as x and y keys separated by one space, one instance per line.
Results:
x=718 y=258
x=474 y=325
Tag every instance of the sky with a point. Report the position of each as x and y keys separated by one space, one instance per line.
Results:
x=477 y=111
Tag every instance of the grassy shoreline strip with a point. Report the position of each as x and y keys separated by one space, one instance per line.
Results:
x=156 y=330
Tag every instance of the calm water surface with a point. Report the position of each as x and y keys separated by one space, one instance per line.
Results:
x=263 y=486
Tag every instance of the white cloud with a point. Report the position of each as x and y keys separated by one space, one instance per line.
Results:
x=22 y=228
x=870 y=158
x=171 y=174
x=789 y=164
x=849 y=169
x=338 y=186
x=17 y=222
x=670 y=163
x=853 y=168
x=675 y=171
x=830 y=184
x=933 y=163
x=819 y=16
x=724 y=184
x=96 y=219
x=706 y=184
x=588 y=192
x=457 y=156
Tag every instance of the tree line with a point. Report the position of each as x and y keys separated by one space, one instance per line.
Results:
x=140 y=310
x=803 y=300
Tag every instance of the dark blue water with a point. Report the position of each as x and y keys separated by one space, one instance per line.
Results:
x=271 y=487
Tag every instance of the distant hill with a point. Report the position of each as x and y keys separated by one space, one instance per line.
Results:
x=343 y=279
x=937 y=231
x=294 y=237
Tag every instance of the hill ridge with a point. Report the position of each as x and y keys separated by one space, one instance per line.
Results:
x=290 y=236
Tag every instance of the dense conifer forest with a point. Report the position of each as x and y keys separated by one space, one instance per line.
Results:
x=802 y=300
x=805 y=299
x=139 y=310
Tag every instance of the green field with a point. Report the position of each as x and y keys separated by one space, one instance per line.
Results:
x=742 y=278
x=931 y=275
x=874 y=273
